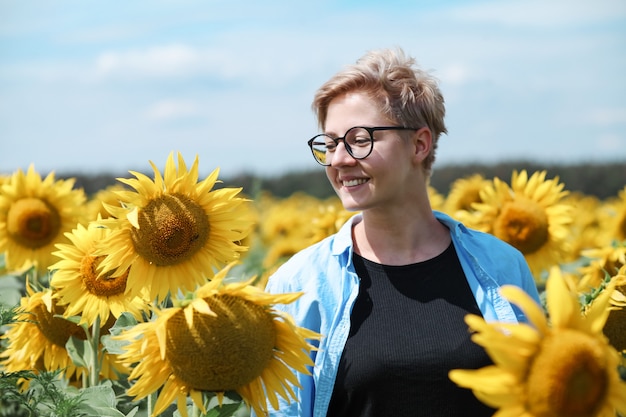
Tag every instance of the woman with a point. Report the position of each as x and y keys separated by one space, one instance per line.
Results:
x=390 y=290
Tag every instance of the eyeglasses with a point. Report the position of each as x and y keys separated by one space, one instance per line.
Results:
x=359 y=142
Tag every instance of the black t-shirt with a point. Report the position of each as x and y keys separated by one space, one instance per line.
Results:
x=407 y=331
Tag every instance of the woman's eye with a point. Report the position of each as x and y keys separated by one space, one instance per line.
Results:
x=361 y=141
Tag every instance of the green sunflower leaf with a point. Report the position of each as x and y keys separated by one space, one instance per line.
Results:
x=101 y=401
x=124 y=322
x=79 y=351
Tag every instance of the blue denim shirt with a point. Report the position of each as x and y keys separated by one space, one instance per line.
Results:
x=325 y=274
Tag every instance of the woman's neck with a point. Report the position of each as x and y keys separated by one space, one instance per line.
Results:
x=400 y=239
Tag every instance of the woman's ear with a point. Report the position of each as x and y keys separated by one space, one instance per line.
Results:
x=422 y=144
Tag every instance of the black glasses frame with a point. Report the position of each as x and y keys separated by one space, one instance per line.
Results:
x=370 y=130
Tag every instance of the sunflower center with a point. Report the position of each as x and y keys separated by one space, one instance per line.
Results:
x=615 y=326
x=33 y=222
x=568 y=377
x=468 y=198
x=104 y=285
x=172 y=228
x=56 y=329
x=523 y=224
x=222 y=352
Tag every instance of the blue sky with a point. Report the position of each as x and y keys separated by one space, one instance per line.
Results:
x=106 y=86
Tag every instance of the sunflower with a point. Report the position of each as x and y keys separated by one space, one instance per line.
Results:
x=529 y=215
x=564 y=368
x=34 y=215
x=174 y=231
x=290 y=225
x=281 y=250
x=79 y=286
x=285 y=226
x=614 y=217
x=36 y=340
x=329 y=218
x=463 y=193
x=225 y=337
x=615 y=327
x=96 y=205
x=602 y=261
x=586 y=230
x=287 y=218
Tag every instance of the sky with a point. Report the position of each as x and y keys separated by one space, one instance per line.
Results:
x=106 y=86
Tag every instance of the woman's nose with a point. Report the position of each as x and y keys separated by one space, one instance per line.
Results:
x=341 y=156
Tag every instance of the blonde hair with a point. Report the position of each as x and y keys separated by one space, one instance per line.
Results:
x=407 y=94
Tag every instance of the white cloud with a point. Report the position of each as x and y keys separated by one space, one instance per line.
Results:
x=608 y=116
x=455 y=73
x=536 y=13
x=166 y=60
x=184 y=61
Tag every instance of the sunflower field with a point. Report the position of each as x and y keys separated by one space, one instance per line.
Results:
x=147 y=298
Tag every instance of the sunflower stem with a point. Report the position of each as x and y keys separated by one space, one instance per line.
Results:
x=150 y=403
x=85 y=379
x=94 y=372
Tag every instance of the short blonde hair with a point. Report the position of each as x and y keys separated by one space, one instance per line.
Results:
x=407 y=94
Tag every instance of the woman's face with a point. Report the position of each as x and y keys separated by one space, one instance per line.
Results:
x=386 y=176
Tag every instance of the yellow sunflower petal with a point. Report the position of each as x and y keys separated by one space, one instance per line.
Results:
x=201 y=306
x=490 y=379
x=196 y=397
x=133 y=217
x=166 y=397
x=599 y=312
x=563 y=307
x=533 y=311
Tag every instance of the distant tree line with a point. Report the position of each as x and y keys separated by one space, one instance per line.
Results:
x=602 y=180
